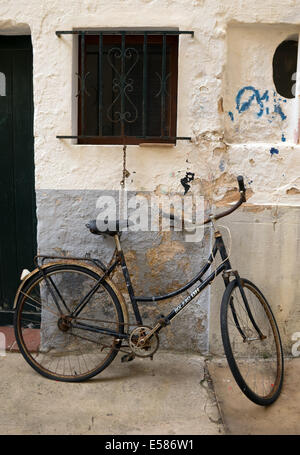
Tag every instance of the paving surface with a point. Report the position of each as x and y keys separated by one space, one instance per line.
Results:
x=167 y=396
x=242 y=417
x=175 y=394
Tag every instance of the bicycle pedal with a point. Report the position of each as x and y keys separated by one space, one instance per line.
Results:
x=128 y=357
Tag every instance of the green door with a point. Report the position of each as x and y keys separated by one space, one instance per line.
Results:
x=17 y=193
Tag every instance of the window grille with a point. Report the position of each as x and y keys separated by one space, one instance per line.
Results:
x=127 y=86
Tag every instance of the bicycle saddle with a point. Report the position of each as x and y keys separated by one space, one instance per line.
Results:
x=119 y=225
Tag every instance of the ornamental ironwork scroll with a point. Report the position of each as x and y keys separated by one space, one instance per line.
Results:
x=122 y=85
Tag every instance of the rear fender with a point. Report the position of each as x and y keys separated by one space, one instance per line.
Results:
x=35 y=272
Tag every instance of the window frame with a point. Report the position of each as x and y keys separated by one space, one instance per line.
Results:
x=171 y=109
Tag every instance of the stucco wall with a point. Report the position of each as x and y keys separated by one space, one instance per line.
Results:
x=158 y=262
x=212 y=65
x=232 y=49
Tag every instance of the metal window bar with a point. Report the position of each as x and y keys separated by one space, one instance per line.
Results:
x=163 y=137
x=123 y=85
x=100 y=101
x=82 y=81
x=59 y=33
x=163 y=82
x=145 y=68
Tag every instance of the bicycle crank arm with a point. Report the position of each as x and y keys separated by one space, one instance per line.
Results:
x=163 y=321
x=143 y=340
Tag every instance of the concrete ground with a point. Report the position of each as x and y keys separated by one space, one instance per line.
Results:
x=175 y=394
x=242 y=417
x=167 y=396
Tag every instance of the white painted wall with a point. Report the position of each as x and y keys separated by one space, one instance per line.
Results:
x=233 y=47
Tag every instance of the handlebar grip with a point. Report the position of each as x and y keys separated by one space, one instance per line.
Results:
x=240 y=180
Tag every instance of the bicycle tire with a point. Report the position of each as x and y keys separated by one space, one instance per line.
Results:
x=259 y=372
x=36 y=320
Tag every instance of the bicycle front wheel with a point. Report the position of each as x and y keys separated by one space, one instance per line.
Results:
x=252 y=342
x=60 y=346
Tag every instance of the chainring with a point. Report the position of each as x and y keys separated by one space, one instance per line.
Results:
x=140 y=347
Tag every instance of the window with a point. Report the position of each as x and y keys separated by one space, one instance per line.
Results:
x=127 y=88
x=285 y=68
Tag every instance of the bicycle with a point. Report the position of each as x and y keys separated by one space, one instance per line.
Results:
x=71 y=320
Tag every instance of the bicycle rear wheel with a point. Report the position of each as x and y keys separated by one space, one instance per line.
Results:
x=57 y=346
x=252 y=342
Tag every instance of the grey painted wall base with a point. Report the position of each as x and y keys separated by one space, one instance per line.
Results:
x=265 y=249
x=159 y=262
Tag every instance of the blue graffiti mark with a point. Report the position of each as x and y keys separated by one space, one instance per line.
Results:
x=231 y=116
x=242 y=107
x=265 y=96
x=222 y=165
x=245 y=105
x=254 y=97
x=274 y=151
x=278 y=110
x=283 y=138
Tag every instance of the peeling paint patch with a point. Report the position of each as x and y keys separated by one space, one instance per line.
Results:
x=274 y=151
x=220 y=106
x=230 y=196
x=164 y=253
x=293 y=190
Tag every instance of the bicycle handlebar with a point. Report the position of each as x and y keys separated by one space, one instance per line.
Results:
x=240 y=180
x=242 y=199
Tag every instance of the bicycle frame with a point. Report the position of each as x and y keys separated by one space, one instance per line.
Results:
x=225 y=265
x=165 y=320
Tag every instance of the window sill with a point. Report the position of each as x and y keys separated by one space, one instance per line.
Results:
x=156 y=144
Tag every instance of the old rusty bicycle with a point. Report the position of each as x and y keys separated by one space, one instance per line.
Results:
x=71 y=320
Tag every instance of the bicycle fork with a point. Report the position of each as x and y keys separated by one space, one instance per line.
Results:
x=235 y=273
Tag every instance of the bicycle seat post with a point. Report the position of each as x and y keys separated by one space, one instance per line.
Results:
x=215 y=229
x=118 y=243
